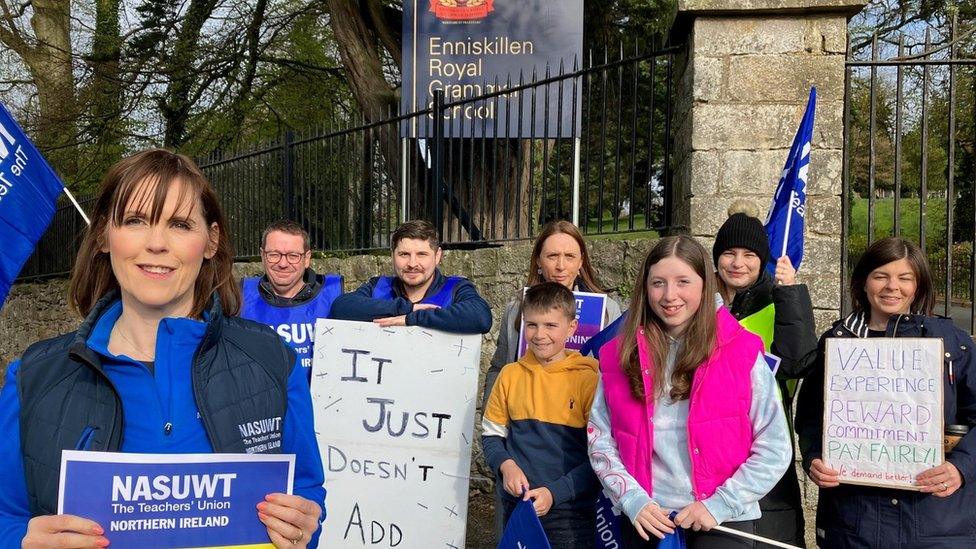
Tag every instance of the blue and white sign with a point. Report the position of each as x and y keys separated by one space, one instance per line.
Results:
x=174 y=500
x=591 y=313
x=469 y=48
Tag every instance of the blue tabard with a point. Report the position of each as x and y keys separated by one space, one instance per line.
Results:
x=444 y=297
x=295 y=324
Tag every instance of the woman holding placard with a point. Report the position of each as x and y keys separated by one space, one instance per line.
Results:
x=559 y=255
x=159 y=364
x=686 y=416
x=892 y=296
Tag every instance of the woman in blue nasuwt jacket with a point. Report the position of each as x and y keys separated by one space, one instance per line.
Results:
x=159 y=364
x=893 y=296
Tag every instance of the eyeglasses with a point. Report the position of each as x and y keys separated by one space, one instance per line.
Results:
x=292 y=257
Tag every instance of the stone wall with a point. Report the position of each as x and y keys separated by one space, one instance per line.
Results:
x=742 y=85
x=39 y=310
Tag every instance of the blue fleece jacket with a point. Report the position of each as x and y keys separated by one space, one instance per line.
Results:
x=148 y=402
x=468 y=313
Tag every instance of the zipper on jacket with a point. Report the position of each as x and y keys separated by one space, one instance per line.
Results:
x=119 y=412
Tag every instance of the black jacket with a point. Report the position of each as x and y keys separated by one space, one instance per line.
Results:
x=862 y=516
x=794 y=336
x=795 y=343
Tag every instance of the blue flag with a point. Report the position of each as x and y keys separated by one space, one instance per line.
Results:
x=675 y=540
x=784 y=223
x=594 y=344
x=524 y=531
x=29 y=191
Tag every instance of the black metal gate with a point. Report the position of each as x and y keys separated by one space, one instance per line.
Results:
x=909 y=159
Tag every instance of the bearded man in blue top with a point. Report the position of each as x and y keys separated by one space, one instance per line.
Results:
x=418 y=294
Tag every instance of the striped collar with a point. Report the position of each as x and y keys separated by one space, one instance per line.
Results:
x=857 y=323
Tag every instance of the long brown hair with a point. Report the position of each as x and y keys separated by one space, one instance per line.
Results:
x=586 y=268
x=130 y=179
x=883 y=252
x=699 y=336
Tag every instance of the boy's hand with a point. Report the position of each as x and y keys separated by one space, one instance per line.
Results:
x=513 y=479
x=696 y=517
x=543 y=500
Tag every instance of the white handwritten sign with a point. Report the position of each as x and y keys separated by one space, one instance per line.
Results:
x=883 y=409
x=394 y=412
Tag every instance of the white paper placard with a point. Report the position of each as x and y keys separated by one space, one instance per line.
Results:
x=883 y=422
x=394 y=413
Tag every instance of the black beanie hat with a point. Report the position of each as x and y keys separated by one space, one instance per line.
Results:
x=742 y=231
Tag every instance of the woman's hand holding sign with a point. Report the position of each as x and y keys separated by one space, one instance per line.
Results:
x=63 y=531
x=823 y=476
x=291 y=520
x=941 y=481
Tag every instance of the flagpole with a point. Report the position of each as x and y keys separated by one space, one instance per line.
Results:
x=71 y=197
x=789 y=219
x=755 y=537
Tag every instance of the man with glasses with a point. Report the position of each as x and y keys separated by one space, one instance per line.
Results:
x=290 y=295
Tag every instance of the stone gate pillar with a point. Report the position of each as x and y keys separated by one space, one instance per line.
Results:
x=741 y=87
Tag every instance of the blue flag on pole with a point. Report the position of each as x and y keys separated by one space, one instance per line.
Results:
x=784 y=223
x=29 y=191
x=524 y=531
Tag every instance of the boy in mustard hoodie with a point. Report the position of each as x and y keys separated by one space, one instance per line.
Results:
x=535 y=422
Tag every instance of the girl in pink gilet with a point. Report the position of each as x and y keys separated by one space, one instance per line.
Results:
x=686 y=417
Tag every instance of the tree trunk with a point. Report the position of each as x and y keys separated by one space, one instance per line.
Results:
x=176 y=103
x=48 y=57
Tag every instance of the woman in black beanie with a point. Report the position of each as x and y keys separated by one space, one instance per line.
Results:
x=780 y=312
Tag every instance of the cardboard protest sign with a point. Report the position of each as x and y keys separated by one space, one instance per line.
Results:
x=174 y=500
x=883 y=409
x=590 y=312
x=394 y=412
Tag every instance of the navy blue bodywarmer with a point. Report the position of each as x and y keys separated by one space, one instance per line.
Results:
x=239 y=376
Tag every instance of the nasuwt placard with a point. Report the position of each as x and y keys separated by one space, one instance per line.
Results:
x=883 y=421
x=591 y=314
x=174 y=500
x=394 y=413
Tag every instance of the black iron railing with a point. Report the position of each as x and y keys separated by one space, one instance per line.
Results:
x=591 y=145
x=910 y=164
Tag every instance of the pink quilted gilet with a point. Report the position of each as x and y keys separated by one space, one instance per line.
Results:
x=719 y=430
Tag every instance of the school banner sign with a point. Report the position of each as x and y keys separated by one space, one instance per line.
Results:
x=468 y=48
x=174 y=500
x=883 y=409
x=394 y=413
x=590 y=314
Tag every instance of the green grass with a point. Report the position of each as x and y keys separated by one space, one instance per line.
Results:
x=593 y=228
x=935 y=223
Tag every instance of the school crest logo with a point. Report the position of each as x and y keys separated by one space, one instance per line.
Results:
x=461 y=10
